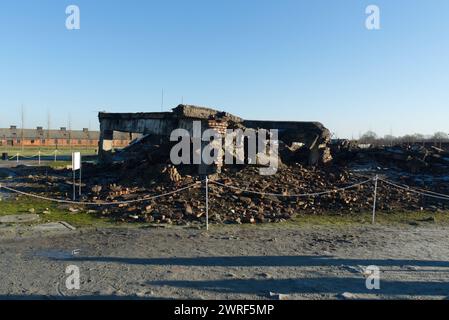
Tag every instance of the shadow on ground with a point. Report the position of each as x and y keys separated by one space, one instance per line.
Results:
x=315 y=285
x=266 y=261
x=324 y=285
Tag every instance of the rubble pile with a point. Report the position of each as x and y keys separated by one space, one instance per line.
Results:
x=230 y=205
x=416 y=159
x=231 y=201
x=412 y=159
x=250 y=207
x=239 y=194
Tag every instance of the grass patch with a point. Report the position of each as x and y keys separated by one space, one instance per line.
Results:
x=382 y=218
x=23 y=205
x=58 y=164
x=403 y=218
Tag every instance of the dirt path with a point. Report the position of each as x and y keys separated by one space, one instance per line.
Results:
x=230 y=263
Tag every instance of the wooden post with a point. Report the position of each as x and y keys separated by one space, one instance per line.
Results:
x=80 y=181
x=376 y=178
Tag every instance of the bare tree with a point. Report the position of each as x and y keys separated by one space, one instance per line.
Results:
x=22 y=115
x=368 y=137
x=48 y=126
x=390 y=139
x=70 y=131
x=439 y=137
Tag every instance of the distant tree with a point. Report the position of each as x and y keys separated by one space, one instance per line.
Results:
x=409 y=139
x=368 y=137
x=22 y=116
x=389 y=139
x=440 y=137
x=48 y=126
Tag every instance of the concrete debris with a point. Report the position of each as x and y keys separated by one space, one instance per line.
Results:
x=348 y=296
x=171 y=174
x=54 y=226
x=279 y=296
x=96 y=189
x=19 y=218
x=413 y=159
x=73 y=210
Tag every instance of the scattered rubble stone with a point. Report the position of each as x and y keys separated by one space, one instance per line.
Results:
x=279 y=296
x=139 y=178
x=348 y=296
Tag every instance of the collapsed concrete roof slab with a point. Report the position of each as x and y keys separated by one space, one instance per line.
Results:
x=294 y=131
x=135 y=115
x=197 y=112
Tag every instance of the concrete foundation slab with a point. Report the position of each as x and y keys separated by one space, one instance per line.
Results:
x=19 y=218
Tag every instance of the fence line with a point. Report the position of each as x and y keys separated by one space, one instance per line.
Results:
x=316 y=194
x=374 y=179
x=98 y=203
x=431 y=194
x=206 y=182
x=28 y=157
x=18 y=156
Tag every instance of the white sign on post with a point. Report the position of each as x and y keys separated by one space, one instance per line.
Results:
x=76 y=161
x=76 y=165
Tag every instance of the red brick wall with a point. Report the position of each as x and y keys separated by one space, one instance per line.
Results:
x=61 y=142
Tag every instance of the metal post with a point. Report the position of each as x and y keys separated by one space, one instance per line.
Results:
x=39 y=153
x=80 y=182
x=74 y=186
x=207 y=203
x=55 y=154
x=17 y=158
x=376 y=178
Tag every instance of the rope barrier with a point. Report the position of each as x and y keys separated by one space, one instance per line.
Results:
x=18 y=156
x=374 y=179
x=316 y=194
x=49 y=154
x=431 y=192
x=31 y=157
x=98 y=203
x=409 y=189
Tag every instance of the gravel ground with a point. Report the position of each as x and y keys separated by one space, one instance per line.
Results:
x=232 y=262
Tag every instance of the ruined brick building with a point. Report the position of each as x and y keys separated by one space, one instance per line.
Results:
x=311 y=137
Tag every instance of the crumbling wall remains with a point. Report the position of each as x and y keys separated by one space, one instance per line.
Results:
x=312 y=137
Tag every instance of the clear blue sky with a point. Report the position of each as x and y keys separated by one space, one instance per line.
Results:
x=283 y=59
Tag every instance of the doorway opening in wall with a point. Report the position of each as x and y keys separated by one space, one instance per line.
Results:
x=121 y=139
